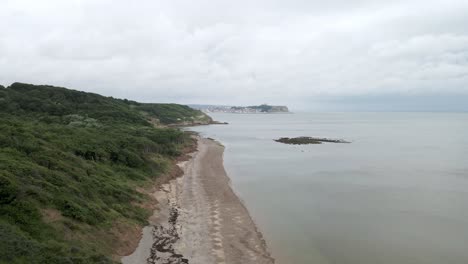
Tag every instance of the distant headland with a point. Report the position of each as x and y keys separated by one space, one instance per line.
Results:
x=255 y=109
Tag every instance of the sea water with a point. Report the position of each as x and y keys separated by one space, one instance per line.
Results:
x=397 y=194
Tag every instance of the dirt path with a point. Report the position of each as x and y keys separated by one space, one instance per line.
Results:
x=200 y=219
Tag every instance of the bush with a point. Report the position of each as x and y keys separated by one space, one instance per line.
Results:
x=8 y=189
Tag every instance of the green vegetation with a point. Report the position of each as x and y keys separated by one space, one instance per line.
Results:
x=262 y=108
x=174 y=113
x=70 y=164
x=54 y=103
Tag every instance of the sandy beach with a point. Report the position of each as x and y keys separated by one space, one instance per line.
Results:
x=200 y=219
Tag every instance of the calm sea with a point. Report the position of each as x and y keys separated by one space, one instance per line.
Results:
x=398 y=194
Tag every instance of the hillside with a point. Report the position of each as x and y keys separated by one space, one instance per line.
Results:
x=57 y=102
x=70 y=166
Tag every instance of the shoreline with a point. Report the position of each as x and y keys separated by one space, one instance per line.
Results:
x=199 y=218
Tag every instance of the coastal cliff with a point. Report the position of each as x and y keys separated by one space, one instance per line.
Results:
x=74 y=168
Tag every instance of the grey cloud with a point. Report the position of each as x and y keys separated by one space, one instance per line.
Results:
x=237 y=52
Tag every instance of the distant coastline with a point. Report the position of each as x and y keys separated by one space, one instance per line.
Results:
x=254 y=109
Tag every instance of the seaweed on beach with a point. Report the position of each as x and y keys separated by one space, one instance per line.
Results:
x=162 y=250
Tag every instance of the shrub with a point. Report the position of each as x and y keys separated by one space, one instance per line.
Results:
x=8 y=189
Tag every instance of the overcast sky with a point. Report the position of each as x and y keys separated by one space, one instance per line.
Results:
x=291 y=52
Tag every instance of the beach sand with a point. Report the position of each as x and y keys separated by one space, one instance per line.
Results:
x=200 y=219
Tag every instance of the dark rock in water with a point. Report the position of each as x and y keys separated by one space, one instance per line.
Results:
x=308 y=140
x=218 y=123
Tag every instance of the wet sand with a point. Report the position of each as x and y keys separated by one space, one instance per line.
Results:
x=200 y=219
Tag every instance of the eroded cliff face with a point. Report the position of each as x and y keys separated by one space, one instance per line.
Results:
x=199 y=118
x=202 y=119
x=278 y=108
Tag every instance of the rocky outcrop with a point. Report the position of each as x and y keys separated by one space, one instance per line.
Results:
x=279 y=108
x=308 y=140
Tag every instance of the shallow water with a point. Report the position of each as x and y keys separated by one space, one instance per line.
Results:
x=397 y=194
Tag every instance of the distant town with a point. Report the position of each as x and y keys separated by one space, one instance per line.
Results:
x=256 y=109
